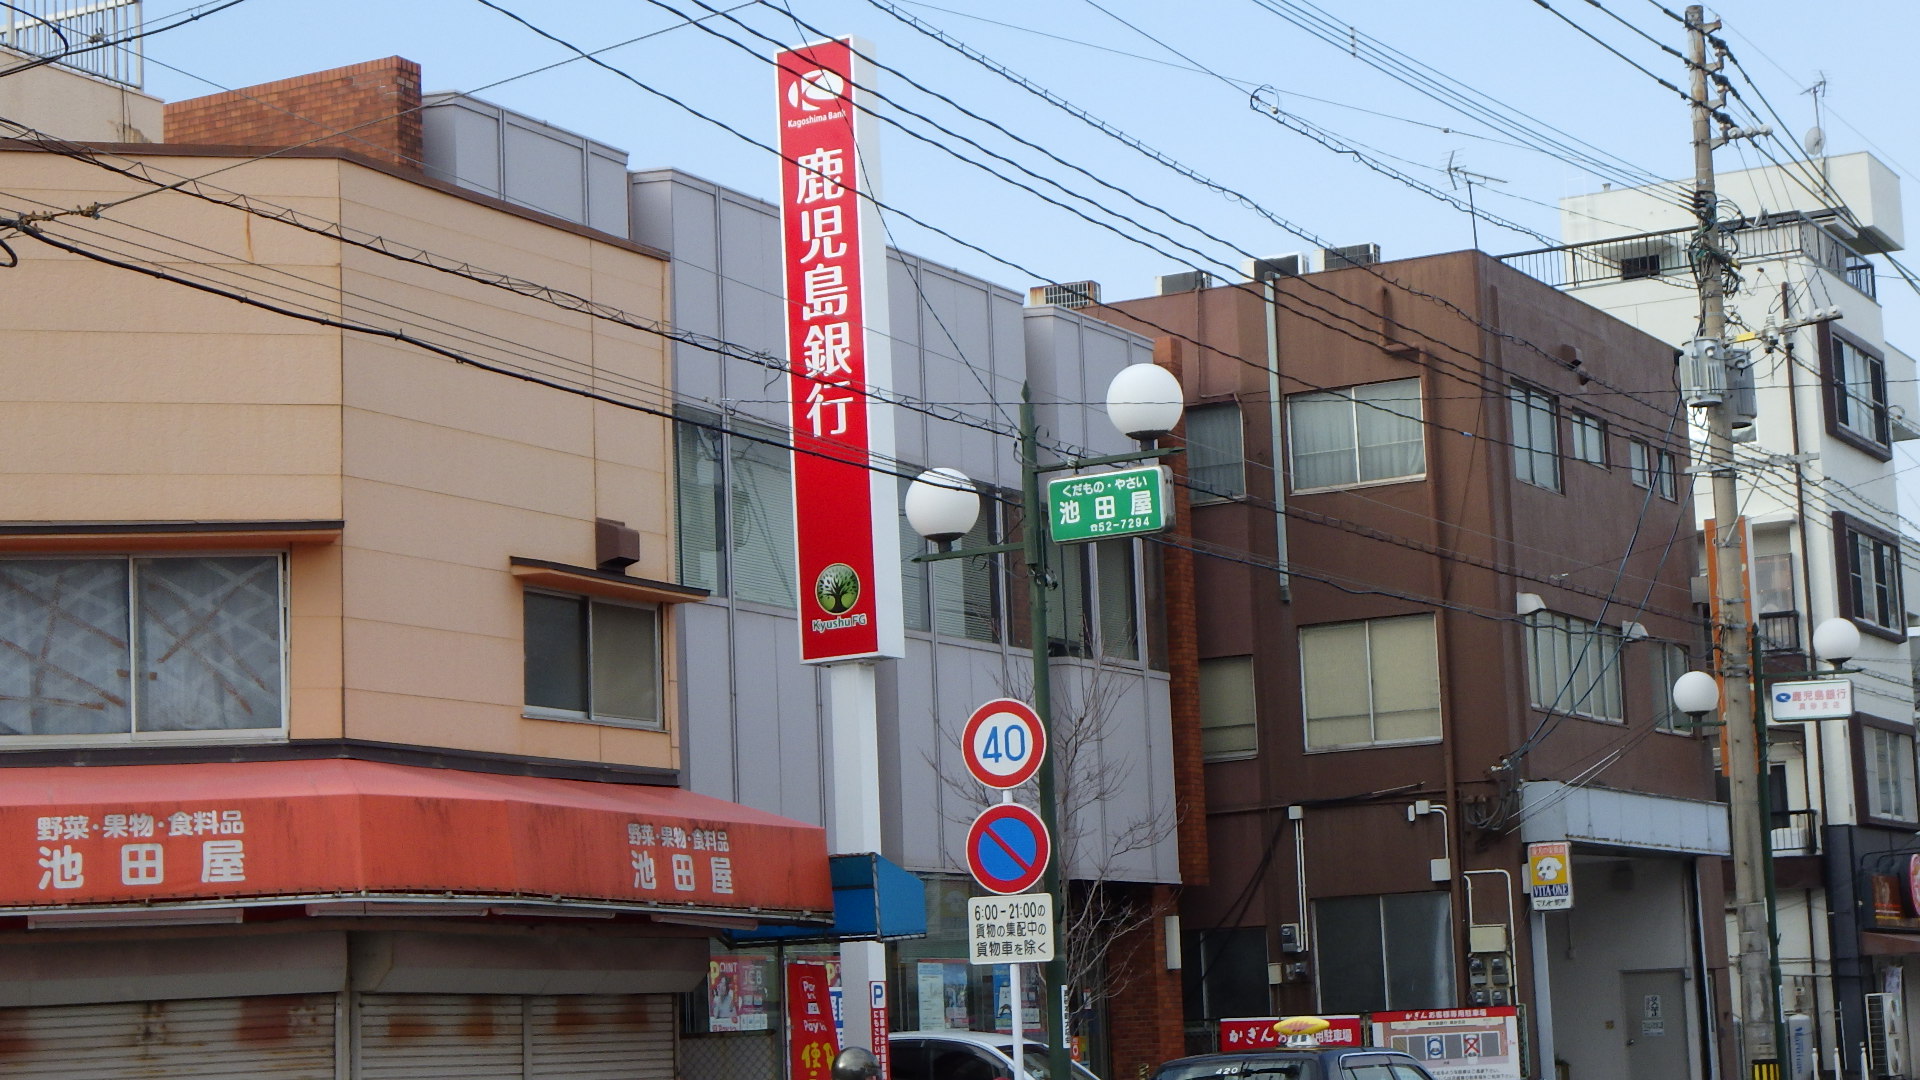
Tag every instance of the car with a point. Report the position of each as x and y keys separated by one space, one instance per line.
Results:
x=1346 y=1063
x=967 y=1055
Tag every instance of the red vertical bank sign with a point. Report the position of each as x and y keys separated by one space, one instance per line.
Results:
x=845 y=514
x=811 y=1042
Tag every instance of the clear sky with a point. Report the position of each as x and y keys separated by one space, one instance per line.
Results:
x=1178 y=77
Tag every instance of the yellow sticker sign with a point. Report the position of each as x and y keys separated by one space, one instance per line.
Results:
x=1550 y=875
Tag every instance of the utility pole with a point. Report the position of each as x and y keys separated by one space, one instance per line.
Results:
x=1759 y=1051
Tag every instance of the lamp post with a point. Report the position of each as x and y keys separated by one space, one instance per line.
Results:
x=1697 y=693
x=1144 y=401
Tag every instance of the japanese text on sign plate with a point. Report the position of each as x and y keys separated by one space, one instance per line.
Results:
x=143 y=858
x=829 y=270
x=649 y=845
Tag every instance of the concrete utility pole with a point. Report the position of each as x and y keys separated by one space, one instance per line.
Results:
x=1758 y=1051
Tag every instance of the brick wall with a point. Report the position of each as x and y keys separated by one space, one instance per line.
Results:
x=1144 y=1015
x=371 y=108
x=1183 y=656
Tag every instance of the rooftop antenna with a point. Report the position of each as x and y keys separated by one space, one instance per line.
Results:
x=1455 y=175
x=1815 y=142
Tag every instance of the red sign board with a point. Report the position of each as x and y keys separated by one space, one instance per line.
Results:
x=846 y=520
x=1259 y=1033
x=1008 y=848
x=811 y=1040
x=240 y=830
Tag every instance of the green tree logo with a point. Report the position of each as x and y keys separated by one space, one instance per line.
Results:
x=837 y=589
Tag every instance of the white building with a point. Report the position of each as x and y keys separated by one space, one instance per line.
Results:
x=1817 y=487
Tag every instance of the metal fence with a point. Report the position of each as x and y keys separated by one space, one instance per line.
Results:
x=97 y=38
x=1668 y=255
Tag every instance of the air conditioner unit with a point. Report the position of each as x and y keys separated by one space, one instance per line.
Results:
x=1067 y=294
x=1351 y=255
x=1886 y=1036
x=1190 y=281
x=1267 y=269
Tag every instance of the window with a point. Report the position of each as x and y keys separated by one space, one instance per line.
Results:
x=1227 y=726
x=700 y=501
x=1666 y=662
x=1216 y=458
x=1573 y=666
x=1888 y=776
x=1857 y=394
x=1652 y=468
x=957 y=597
x=1384 y=952
x=1869 y=565
x=1536 y=437
x=1113 y=578
x=141 y=646
x=1361 y=435
x=1372 y=682
x=1590 y=439
x=733 y=497
x=1225 y=972
x=591 y=659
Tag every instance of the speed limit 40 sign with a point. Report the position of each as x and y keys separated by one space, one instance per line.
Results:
x=1004 y=743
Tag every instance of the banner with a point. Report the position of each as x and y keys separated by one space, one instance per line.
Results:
x=846 y=515
x=811 y=1040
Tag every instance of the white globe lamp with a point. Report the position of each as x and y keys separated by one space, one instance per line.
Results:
x=1145 y=401
x=1836 y=641
x=942 y=505
x=1696 y=693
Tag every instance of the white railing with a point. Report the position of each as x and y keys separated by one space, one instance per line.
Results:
x=98 y=38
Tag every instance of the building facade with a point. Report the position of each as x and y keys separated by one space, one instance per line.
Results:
x=338 y=638
x=487 y=407
x=1832 y=396
x=1455 y=591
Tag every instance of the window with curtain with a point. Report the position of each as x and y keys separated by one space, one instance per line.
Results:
x=1119 y=621
x=1589 y=439
x=1536 y=437
x=964 y=601
x=1216 y=456
x=1069 y=607
x=1870 y=576
x=916 y=604
x=760 y=514
x=1665 y=663
x=699 y=501
x=1227 y=722
x=1392 y=951
x=592 y=659
x=1370 y=683
x=1858 y=386
x=1360 y=435
x=1889 y=773
x=1573 y=666
x=131 y=646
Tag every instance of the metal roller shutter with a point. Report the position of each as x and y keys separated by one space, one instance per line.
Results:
x=440 y=1037
x=255 y=1038
x=602 y=1037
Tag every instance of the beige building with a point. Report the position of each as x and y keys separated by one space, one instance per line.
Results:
x=336 y=595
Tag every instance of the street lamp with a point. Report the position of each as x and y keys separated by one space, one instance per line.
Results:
x=1144 y=401
x=1697 y=693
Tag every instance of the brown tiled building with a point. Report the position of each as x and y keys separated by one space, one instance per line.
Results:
x=1449 y=595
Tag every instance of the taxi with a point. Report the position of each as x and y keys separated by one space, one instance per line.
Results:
x=1302 y=1058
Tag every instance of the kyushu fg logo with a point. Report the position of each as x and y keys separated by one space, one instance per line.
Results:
x=837 y=590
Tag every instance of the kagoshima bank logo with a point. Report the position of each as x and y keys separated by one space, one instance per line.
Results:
x=815 y=88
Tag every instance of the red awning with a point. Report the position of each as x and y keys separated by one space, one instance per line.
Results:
x=273 y=830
